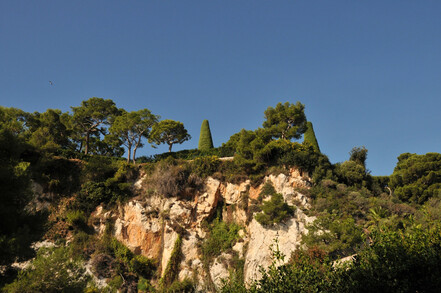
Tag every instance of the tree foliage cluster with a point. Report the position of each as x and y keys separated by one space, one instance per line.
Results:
x=416 y=178
x=274 y=210
x=97 y=126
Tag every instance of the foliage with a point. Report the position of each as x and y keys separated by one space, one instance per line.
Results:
x=335 y=235
x=12 y=120
x=286 y=121
x=205 y=166
x=106 y=182
x=222 y=236
x=309 y=136
x=398 y=261
x=89 y=118
x=416 y=178
x=395 y=261
x=308 y=271
x=169 y=132
x=17 y=226
x=186 y=286
x=205 y=139
x=76 y=218
x=351 y=172
x=48 y=131
x=267 y=190
x=57 y=175
x=359 y=155
x=145 y=286
x=53 y=270
x=131 y=127
x=274 y=210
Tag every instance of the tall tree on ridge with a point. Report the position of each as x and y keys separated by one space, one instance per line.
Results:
x=169 y=132
x=286 y=121
x=205 y=139
x=91 y=116
x=309 y=136
x=131 y=127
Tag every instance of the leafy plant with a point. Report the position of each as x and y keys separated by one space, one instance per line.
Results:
x=274 y=210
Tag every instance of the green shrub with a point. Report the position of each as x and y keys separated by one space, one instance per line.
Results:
x=186 y=286
x=267 y=190
x=145 y=286
x=416 y=178
x=221 y=237
x=77 y=219
x=143 y=266
x=53 y=270
x=205 y=166
x=274 y=210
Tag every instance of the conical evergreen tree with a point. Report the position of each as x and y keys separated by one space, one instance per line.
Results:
x=205 y=140
x=309 y=136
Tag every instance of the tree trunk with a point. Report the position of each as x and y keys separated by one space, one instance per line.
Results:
x=134 y=153
x=129 y=152
x=169 y=147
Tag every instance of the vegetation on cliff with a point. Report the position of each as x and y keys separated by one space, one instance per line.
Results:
x=75 y=159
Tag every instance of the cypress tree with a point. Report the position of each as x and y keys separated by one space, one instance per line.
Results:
x=309 y=136
x=205 y=140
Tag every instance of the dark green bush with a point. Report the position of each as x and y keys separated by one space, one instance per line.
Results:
x=53 y=270
x=274 y=211
x=77 y=219
x=416 y=178
x=222 y=236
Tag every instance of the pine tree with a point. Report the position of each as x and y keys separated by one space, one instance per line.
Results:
x=309 y=136
x=205 y=140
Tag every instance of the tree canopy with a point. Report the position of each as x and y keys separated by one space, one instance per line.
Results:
x=416 y=178
x=91 y=116
x=286 y=121
x=131 y=127
x=169 y=132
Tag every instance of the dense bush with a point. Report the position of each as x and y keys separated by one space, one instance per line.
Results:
x=221 y=237
x=53 y=270
x=274 y=210
x=416 y=178
x=105 y=182
x=205 y=166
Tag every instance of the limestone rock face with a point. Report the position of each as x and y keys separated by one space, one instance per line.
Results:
x=138 y=231
x=149 y=225
x=170 y=237
x=286 y=185
x=207 y=202
x=219 y=269
x=263 y=239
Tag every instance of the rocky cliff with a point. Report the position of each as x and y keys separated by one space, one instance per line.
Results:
x=150 y=225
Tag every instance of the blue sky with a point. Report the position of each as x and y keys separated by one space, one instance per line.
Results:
x=368 y=72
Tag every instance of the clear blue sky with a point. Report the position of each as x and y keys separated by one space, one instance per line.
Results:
x=368 y=72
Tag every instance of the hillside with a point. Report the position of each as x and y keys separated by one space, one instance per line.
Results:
x=260 y=213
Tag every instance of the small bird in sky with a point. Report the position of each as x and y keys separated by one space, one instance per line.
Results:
x=50 y=82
